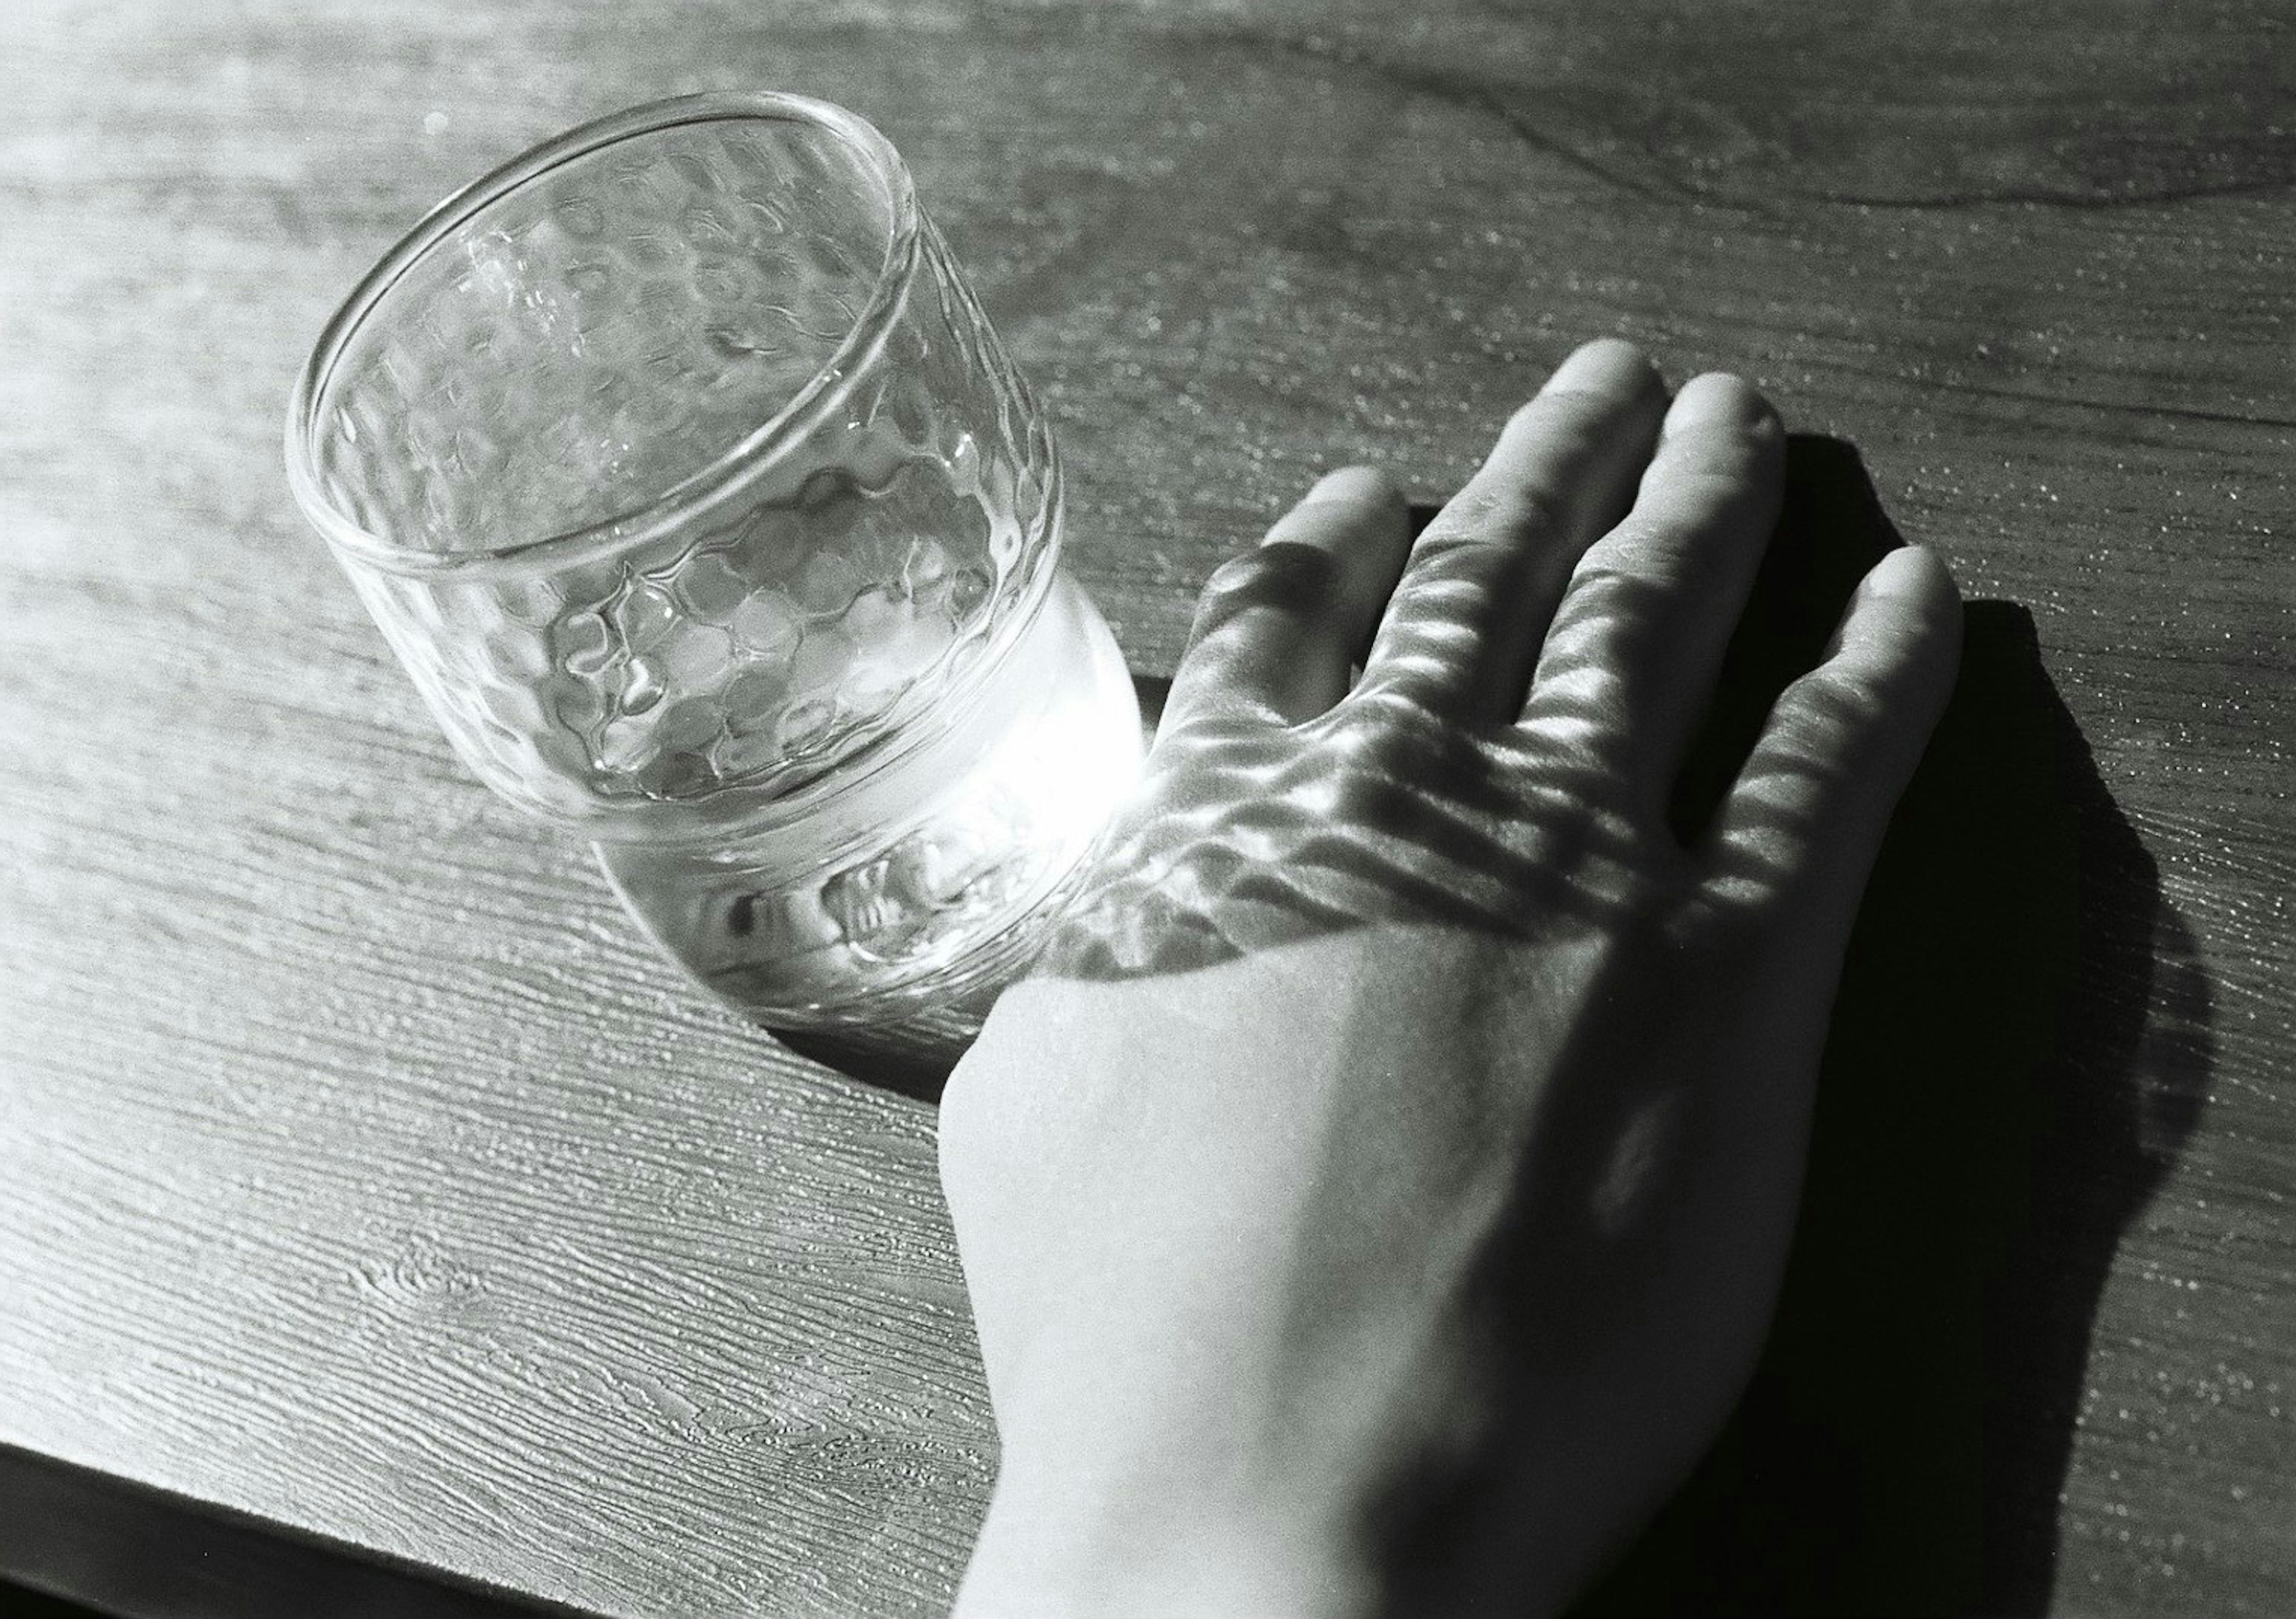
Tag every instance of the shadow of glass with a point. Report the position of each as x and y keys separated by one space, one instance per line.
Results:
x=2019 y=1049
x=913 y=1059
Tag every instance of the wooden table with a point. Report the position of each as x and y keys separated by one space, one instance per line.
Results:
x=369 y=1191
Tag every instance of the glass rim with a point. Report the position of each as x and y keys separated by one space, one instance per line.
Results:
x=733 y=468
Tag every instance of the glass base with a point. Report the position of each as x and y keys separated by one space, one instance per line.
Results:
x=903 y=900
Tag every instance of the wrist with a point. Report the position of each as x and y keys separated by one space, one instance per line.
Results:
x=1170 y=1484
x=1076 y=1536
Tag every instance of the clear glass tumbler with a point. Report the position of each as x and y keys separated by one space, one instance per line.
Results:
x=679 y=467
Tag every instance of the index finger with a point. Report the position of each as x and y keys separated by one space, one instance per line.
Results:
x=1278 y=629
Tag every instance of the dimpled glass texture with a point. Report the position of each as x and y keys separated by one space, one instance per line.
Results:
x=679 y=465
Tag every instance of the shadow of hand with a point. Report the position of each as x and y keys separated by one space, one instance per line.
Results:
x=2018 y=1050
x=1434 y=1067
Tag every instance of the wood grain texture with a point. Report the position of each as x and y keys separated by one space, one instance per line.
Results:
x=359 y=1169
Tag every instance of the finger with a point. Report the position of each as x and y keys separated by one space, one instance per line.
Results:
x=1464 y=624
x=1805 y=818
x=1628 y=668
x=1278 y=629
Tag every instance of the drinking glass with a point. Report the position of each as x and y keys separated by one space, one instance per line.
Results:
x=677 y=465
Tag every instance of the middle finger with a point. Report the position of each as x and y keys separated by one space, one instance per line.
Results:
x=1464 y=624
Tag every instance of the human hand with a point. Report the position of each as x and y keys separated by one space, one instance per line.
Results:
x=1377 y=1196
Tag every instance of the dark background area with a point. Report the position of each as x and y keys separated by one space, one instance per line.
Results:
x=21 y=1602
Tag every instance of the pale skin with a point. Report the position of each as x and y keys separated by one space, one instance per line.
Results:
x=1376 y=1200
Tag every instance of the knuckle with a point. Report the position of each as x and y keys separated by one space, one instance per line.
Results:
x=1365 y=789
x=1840 y=701
x=1606 y=590
x=1388 y=731
x=1283 y=577
x=1621 y=561
x=1363 y=798
x=1701 y=518
x=1572 y=428
x=1360 y=727
x=1494 y=513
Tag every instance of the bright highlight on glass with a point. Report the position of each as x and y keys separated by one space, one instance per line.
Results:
x=679 y=465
